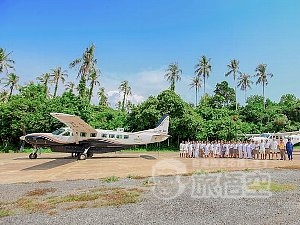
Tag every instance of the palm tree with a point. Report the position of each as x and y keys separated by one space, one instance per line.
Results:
x=4 y=96
x=94 y=81
x=45 y=80
x=5 y=61
x=87 y=66
x=203 y=68
x=103 y=101
x=11 y=81
x=126 y=90
x=244 y=83
x=196 y=83
x=57 y=75
x=233 y=68
x=70 y=86
x=261 y=73
x=173 y=74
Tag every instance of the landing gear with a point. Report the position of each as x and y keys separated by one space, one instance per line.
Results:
x=82 y=156
x=32 y=155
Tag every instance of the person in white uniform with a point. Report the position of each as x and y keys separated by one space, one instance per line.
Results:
x=262 y=149
x=181 y=149
x=240 y=149
x=245 y=150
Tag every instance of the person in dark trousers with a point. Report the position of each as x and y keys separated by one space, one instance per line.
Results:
x=289 y=148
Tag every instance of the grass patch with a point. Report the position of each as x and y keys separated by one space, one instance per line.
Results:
x=199 y=172
x=5 y=212
x=97 y=198
x=131 y=176
x=271 y=186
x=40 y=191
x=32 y=205
x=247 y=170
x=110 y=179
x=219 y=171
x=148 y=182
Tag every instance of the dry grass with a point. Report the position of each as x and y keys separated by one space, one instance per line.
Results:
x=5 y=212
x=32 y=205
x=40 y=191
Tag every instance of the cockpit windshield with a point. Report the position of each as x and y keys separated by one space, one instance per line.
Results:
x=58 y=131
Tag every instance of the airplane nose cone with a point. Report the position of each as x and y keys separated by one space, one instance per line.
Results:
x=22 y=138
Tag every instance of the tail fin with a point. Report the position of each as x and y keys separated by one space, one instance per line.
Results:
x=163 y=124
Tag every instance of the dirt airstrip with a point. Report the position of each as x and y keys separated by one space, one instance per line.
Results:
x=17 y=167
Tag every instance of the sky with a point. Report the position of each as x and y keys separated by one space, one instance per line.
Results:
x=136 y=40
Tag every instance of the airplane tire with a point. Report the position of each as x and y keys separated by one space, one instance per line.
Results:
x=32 y=155
x=82 y=156
x=90 y=154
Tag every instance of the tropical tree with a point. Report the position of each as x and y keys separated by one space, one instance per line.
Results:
x=261 y=73
x=11 y=81
x=203 y=68
x=70 y=86
x=103 y=101
x=45 y=80
x=94 y=81
x=173 y=74
x=244 y=82
x=196 y=83
x=57 y=75
x=233 y=68
x=87 y=66
x=5 y=61
x=4 y=96
x=126 y=90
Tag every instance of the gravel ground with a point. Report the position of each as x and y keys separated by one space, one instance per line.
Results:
x=174 y=200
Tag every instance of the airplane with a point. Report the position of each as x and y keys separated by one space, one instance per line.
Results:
x=82 y=140
x=294 y=136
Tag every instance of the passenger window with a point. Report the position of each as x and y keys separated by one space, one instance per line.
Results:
x=119 y=136
x=93 y=135
x=104 y=135
x=111 y=136
x=66 y=133
x=82 y=134
x=126 y=136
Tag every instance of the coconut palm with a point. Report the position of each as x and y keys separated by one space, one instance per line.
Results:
x=233 y=68
x=5 y=61
x=57 y=75
x=173 y=74
x=4 y=96
x=203 y=68
x=103 y=101
x=94 y=81
x=70 y=86
x=11 y=81
x=126 y=90
x=45 y=80
x=244 y=82
x=261 y=73
x=196 y=83
x=87 y=66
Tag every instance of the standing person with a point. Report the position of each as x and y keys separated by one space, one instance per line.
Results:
x=281 y=146
x=245 y=149
x=197 y=147
x=262 y=149
x=289 y=148
x=240 y=149
x=235 y=149
x=186 y=149
x=222 y=149
x=256 y=150
x=207 y=147
x=249 y=150
x=274 y=148
x=267 y=147
x=191 y=146
x=181 y=149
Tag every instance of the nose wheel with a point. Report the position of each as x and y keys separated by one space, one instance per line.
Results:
x=32 y=155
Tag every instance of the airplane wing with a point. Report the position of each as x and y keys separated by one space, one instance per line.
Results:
x=74 y=122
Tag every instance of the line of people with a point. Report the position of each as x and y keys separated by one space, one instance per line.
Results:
x=265 y=149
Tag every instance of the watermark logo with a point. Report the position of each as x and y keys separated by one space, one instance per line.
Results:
x=168 y=187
